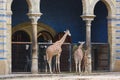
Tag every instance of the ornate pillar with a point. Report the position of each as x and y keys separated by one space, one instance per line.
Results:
x=88 y=19
x=34 y=18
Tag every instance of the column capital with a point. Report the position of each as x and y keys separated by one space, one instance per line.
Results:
x=88 y=17
x=34 y=17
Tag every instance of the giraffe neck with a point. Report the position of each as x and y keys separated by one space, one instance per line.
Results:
x=61 y=41
x=80 y=46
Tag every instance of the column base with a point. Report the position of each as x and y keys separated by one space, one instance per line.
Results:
x=4 y=66
x=34 y=68
x=116 y=67
x=89 y=65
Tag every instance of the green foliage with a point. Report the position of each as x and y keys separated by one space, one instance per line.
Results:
x=74 y=48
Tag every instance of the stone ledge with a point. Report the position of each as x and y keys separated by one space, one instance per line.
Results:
x=63 y=76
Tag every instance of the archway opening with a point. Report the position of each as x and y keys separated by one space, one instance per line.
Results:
x=20 y=52
x=20 y=36
x=19 y=11
x=44 y=36
x=100 y=46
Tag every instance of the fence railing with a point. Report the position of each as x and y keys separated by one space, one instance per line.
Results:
x=22 y=55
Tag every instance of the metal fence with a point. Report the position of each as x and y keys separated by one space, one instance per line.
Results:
x=22 y=57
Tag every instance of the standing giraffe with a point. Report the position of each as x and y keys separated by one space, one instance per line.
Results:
x=78 y=56
x=55 y=49
x=85 y=60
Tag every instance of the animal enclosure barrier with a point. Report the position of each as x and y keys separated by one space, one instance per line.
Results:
x=65 y=59
x=22 y=57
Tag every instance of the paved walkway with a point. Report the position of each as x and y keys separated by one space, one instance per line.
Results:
x=63 y=76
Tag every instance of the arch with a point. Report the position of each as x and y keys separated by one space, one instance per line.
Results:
x=20 y=51
x=111 y=16
x=29 y=5
x=10 y=2
x=44 y=36
x=110 y=6
x=20 y=36
x=84 y=4
x=100 y=23
x=19 y=12
x=100 y=38
x=28 y=28
x=88 y=7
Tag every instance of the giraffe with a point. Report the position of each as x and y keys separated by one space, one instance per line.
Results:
x=78 y=56
x=85 y=61
x=55 y=49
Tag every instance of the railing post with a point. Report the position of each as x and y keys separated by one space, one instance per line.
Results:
x=70 y=58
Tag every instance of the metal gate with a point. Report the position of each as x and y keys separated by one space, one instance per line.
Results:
x=21 y=57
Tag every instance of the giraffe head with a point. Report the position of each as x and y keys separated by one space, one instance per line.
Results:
x=67 y=32
x=81 y=42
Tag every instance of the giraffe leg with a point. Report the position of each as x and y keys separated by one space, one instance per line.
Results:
x=79 y=66
x=50 y=67
x=59 y=64
x=76 y=65
x=45 y=64
x=56 y=64
x=49 y=63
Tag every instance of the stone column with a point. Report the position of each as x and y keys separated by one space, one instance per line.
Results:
x=34 y=18
x=9 y=29
x=88 y=19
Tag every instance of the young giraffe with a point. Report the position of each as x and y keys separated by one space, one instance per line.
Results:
x=78 y=56
x=55 y=49
x=85 y=61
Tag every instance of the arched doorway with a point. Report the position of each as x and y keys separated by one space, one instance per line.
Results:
x=20 y=36
x=100 y=45
x=21 y=52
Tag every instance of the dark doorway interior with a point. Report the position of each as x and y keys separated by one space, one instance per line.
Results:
x=44 y=38
x=21 y=52
x=100 y=48
x=100 y=57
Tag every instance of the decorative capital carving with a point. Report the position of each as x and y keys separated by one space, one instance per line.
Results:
x=34 y=17
x=88 y=17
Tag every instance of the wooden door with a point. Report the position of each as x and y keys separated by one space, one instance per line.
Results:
x=100 y=57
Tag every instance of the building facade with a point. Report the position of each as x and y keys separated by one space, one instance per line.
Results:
x=81 y=17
